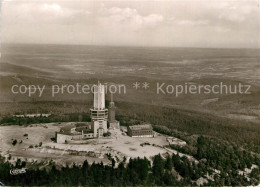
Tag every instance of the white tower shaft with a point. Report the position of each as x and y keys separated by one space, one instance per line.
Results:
x=99 y=96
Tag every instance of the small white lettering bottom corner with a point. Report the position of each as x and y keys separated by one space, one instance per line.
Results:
x=17 y=171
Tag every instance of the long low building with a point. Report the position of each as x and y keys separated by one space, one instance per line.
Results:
x=74 y=131
x=145 y=130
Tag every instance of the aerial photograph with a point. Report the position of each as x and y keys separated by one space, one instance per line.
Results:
x=130 y=93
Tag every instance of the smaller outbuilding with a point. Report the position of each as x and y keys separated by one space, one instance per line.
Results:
x=176 y=141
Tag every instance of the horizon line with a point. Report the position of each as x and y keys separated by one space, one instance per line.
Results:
x=136 y=46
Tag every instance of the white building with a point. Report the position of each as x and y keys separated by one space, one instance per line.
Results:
x=74 y=132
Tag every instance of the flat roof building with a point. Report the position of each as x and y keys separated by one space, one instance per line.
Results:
x=144 y=130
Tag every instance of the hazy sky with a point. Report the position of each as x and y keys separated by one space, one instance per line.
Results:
x=182 y=23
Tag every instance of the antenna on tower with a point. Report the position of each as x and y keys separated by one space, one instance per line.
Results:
x=111 y=97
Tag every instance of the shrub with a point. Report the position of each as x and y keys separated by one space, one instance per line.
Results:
x=14 y=142
x=53 y=139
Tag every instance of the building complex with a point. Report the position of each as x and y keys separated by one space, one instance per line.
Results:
x=99 y=120
x=102 y=119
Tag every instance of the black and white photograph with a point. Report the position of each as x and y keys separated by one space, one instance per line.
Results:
x=129 y=92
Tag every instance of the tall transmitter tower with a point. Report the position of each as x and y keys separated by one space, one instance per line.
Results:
x=113 y=123
x=99 y=113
